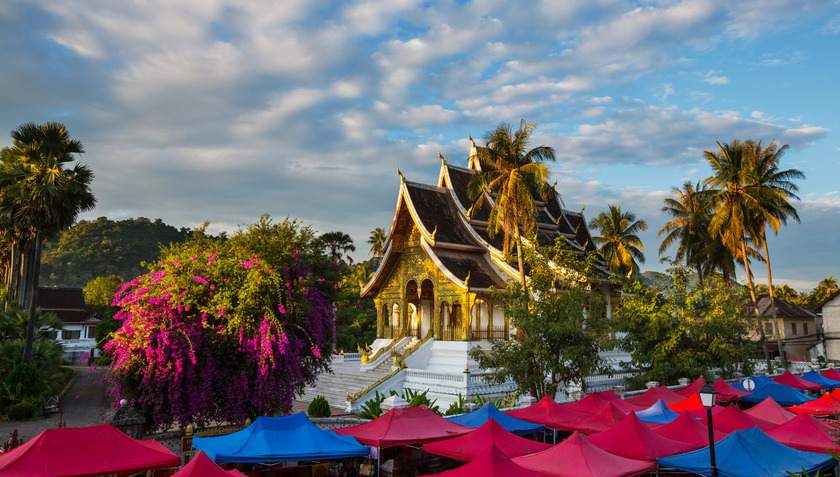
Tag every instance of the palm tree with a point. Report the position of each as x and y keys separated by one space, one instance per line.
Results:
x=618 y=241
x=689 y=226
x=40 y=197
x=513 y=175
x=377 y=240
x=14 y=324
x=338 y=243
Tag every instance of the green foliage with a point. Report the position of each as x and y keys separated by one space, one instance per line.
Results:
x=681 y=332
x=355 y=319
x=319 y=407
x=29 y=408
x=499 y=402
x=414 y=399
x=371 y=408
x=103 y=247
x=100 y=291
x=105 y=329
x=46 y=356
x=560 y=334
x=25 y=381
x=456 y=407
x=14 y=323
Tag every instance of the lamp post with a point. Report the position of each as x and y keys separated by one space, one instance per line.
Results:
x=708 y=393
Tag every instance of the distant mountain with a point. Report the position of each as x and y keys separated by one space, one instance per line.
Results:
x=103 y=247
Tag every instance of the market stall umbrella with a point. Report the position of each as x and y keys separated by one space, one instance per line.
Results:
x=691 y=403
x=404 y=426
x=607 y=417
x=655 y=394
x=490 y=463
x=657 y=414
x=280 y=439
x=203 y=466
x=816 y=377
x=732 y=419
x=688 y=428
x=85 y=451
x=759 y=381
x=784 y=395
x=725 y=392
x=826 y=405
x=633 y=439
x=770 y=410
x=831 y=373
x=490 y=434
x=750 y=453
x=790 y=379
x=489 y=411
x=692 y=388
x=577 y=457
x=806 y=432
x=621 y=404
x=547 y=412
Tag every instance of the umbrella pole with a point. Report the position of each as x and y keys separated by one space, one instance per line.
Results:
x=378 y=461
x=555 y=436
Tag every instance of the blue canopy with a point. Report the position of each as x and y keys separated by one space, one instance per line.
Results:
x=657 y=414
x=280 y=439
x=488 y=411
x=784 y=395
x=759 y=381
x=749 y=453
x=817 y=378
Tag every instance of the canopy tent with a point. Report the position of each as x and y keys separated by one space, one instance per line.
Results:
x=769 y=410
x=702 y=413
x=487 y=412
x=790 y=379
x=608 y=416
x=826 y=405
x=688 y=428
x=815 y=377
x=784 y=395
x=733 y=419
x=806 y=432
x=403 y=426
x=631 y=438
x=831 y=373
x=727 y=392
x=469 y=446
x=621 y=404
x=547 y=412
x=491 y=463
x=750 y=453
x=203 y=466
x=84 y=451
x=655 y=394
x=657 y=414
x=581 y=458
x=759 y=381
x=692 y=388
x=279 y=439
x=691 y=403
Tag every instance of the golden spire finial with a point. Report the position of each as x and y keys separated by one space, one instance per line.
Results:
x=433 y=233
x=581 y=209
x=467 y=280
x=442 y=160
x=402 y=177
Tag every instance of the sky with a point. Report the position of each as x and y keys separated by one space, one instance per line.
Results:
x=226 y=110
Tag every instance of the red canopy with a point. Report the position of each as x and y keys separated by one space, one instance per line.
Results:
x=652 y=395
x=771 y=411
x=806 y=432
x=607 y=417
x=691 y=403
x=202 y=466
x=688 y=428
x=84 y=451
x=403 y=426
x=547 y=412
x=587 y=406
x=827 y=405
x=577 y=457
x=692 y=388
x=727 y=392
x=490 y=434
x=631 y=438
x=794 y=381
x=491 y=463
x=831 y=373
x=623 y=405
x=732 y=419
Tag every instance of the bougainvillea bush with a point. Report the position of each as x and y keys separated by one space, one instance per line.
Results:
x=215 y=333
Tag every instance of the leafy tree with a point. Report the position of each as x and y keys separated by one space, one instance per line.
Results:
x=822 y=291
x=14 y=324
x=355 y=319
x=559 y=335
x=378 y=237
x=39 y=197
x=100 y=291
x=618 y=241
x=514 y=177
x=224 y=331
x=337 y=243
x=682 y=332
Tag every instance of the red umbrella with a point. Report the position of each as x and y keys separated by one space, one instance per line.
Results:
x=831 y=373
x=631 y=438
x=770 y=410
x=547 y=412
x=827 y=405
x=404 y=426
x=607 y=417
x=652 y=395
x=490 y=463
x=692 y=388
x=805 y=432
x=202 y=466
x=490 y=434
x=688 y=428
x=794 y=381
x=725 y=392
x=577 y=457
x=623 y=405
x=691 y=403
x=732 y=419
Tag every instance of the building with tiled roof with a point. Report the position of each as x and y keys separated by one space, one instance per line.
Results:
x=797 y=326
x=79 y=333
x=829 y=310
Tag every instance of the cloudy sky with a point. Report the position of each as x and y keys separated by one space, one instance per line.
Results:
x=224 y=110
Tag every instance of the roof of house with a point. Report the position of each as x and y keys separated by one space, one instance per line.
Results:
x=818 y=308
x=67 y=303
x=784 y=309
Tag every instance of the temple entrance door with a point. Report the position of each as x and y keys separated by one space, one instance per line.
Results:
x=412 y=296
x=427 y=300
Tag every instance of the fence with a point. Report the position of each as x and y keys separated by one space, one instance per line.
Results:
x=496 y=333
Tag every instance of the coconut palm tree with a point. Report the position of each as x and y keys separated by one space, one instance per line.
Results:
x=618 y=241
x=338 y=243
x=40 y=196
x=689 y=227
x=514 y=176
x=14 y=324
x=378 y=237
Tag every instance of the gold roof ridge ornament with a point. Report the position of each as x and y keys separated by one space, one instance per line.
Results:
x=442 y=160
x=433 y=233
x=402 y=177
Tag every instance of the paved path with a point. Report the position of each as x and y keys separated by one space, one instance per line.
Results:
x=83 y=404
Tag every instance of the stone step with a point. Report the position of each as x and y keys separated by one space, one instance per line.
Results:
x=334 y=387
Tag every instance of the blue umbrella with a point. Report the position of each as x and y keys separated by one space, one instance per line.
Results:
x=657 y=414
x=815 y=377
x=488 y=411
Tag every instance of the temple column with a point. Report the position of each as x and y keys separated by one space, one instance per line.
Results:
x=490 y=318
x=467 y=316
x=435 y=316
x=380 y=320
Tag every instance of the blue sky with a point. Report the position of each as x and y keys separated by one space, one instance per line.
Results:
x=222 y=111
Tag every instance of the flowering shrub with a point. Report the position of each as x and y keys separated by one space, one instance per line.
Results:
x=218 y=335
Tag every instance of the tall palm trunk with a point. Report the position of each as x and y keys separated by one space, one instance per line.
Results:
x=33 y=298
x=772 y=300
x=755 y=304
x=14 y=275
